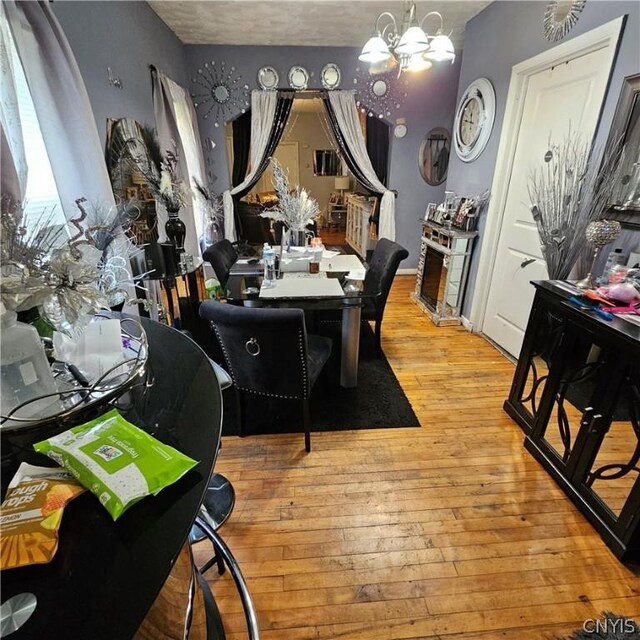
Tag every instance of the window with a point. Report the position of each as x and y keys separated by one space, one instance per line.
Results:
x=326 y=163
x=42 y=202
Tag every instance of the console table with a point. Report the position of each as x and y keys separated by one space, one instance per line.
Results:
x=576 y=396
x=445 y=254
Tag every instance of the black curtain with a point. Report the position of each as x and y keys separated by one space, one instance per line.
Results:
x=283 y=108
x=241 y=145
x=344 y=149
x=378 y=132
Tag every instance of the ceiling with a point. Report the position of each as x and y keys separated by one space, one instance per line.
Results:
x=301 y=22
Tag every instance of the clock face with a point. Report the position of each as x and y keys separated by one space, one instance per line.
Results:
x=470 y=121
x=474 y=120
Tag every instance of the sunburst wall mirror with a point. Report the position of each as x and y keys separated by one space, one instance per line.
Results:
x=560 y=17
x=220 y=92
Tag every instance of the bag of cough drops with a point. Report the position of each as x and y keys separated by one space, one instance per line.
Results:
x=31 y=513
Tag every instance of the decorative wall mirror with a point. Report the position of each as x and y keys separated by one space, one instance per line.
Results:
x=330 y=76
x=560 y=17
x=626 y=127
x=126 y=182
x=433 y=157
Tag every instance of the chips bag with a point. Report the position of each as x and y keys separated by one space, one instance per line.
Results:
x=116 y=461
x=31 y=513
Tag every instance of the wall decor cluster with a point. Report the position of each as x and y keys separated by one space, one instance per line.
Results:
x=379 y=95
x=560 y=17
x=220 y=92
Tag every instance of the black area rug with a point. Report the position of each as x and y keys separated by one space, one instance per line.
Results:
x=609 y=627
x=377 y=402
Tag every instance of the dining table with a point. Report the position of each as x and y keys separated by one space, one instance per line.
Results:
x=107 y=577
x=336 y=290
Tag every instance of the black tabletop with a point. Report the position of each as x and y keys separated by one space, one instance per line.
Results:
x=106 y=575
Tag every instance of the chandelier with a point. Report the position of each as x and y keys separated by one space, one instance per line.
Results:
x=409 y=46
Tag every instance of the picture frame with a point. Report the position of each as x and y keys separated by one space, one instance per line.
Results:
x=430 y=211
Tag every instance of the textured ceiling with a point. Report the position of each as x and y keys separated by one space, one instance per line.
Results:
x=300 y=22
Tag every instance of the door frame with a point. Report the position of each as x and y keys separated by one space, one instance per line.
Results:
x=606 y=36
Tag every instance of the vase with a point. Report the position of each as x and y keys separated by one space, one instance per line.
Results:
x=176 y=231
x=299 y=237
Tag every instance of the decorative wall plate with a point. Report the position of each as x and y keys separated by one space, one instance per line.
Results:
x=298 y=78
x=219 y=92
x=474 y=119
x=268 y=78
x=560 y=17
x=330 y=76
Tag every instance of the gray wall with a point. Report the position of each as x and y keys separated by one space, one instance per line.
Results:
x=430 y=103
x=507 y=33
x=128 y=37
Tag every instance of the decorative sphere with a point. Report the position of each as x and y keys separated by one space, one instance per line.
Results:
x=602 y=232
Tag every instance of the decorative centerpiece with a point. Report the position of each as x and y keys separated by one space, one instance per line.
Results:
x=567 y=193
x=160 y=172
x=598 y=233
x=213 y=215
x=295 y=208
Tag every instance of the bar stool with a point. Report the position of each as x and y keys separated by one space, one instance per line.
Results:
x=219 y=497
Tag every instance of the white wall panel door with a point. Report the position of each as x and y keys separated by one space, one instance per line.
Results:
x=559 y=98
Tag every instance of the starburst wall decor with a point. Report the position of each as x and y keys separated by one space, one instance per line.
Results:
x=220 y=92
x=379 y=95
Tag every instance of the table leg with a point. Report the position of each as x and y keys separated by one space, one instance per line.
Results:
x=350 y=346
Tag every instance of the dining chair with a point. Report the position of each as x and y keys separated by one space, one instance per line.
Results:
x=268 y=353
x=383 y=266
x=221 y=256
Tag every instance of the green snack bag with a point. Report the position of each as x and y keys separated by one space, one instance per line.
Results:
x=116 y=461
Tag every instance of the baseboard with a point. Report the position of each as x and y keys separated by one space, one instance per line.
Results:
x=467 y=324
x=407 y=272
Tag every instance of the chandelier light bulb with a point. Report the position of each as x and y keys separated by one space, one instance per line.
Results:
x=417 y=62
x=375 y=50
x=441 y=48
x=414 y=40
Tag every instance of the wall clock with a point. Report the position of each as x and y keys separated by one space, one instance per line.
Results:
x=560 y=17
x=474 y=119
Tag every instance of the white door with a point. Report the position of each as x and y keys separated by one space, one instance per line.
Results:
x=568 y=95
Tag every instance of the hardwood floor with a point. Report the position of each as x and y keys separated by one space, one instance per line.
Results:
x=448 y=531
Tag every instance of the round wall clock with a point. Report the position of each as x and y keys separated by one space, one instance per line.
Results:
x=560 y=17
x=400 y=130
x=474 y=119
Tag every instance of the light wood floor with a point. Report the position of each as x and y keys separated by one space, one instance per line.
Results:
x=448 y=531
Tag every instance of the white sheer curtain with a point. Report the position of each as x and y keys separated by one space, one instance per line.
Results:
x=263 y=111
x=170 y=104
x=13 y=167
x=62 y=105
x=344 y=107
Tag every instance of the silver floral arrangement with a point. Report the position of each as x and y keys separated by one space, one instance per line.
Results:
x=159 y=170
x=66 y=278
x=296 y=208
x=571 y=189
x=213 y=213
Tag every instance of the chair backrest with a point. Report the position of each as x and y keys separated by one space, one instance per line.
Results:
x=265 y=350
x=255 y=229
x=221 y=256
x=382 y=269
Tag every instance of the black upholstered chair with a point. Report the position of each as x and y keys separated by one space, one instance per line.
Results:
x=221 y=256
x=268 y=353
x=383 y=266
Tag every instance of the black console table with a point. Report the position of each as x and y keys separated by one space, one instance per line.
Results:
x=576 y=395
